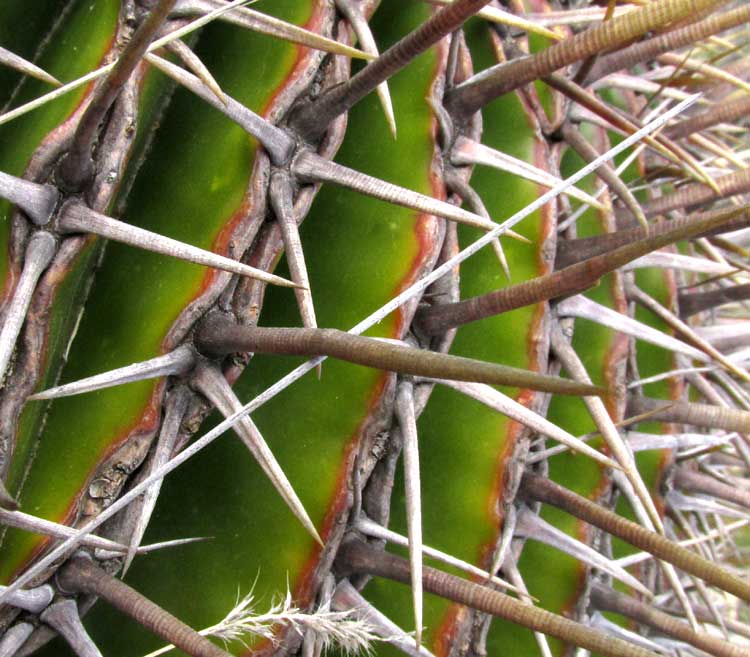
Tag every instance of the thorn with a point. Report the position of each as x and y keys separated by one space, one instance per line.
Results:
x=501 y=17
x=697 y=194
x=210 y=382
x=693 y=303
x=10 y=59
x=713 y=610
x=727 y=336
x=445 y=127
x=633 y=559
x=459 y=186
x=312 y=119
x=693 y=481
x=101 y=554
x=531 y=526
x=610 y=116
x=507 y=406
x=176 y=406
x=194 y=63
x=510 y=566
x=571 y=251
x=644 y=519
x=370 y=528
x=37 y=201
x=718 y=149
x=466 y=151
x=176 y=542
x=502 y=559
x=578 y=143
x=81 y=575
x=608 y=599
x=353 y=13
x=666 y=260
x=678 y=442
x=282 y=202
x=572 y=363
x=356 y=557
x=544 y=490
x=683 y=329
x=571 y=280
x=76 y=168
x=467 y=193
x=699 y=415
x=34 y=600
x=174 y=363
x=407 y=421
x=680 y=502
x=64 y=548
x=14 y=638
x=584 y=308
x=674 y=506
x=39 y=253
x=680 y=371
x=704 y=68
x=64 y=619
x=44 y=527
x=707 y=449
x=451 y=67
x=347 y=598
x=278 y=143
x=731 y=250
x=598 y=621
x=217 y=336
x=552 y=451
x=256 y=21
x=77 y=218
x=725 y=112
x=310 y=167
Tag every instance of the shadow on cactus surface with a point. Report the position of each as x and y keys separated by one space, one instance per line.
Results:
x=525 y=400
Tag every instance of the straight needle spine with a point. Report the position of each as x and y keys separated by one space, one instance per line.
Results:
x=408 y=423
x=211 y=382
x=77 y=218
x=572 y=363
x=370 y=528
x=261 y=23
x=219 y=336
x=39 y=253
x=177 y=362
x=353 y=12
x=10 y=59
x=282 y=202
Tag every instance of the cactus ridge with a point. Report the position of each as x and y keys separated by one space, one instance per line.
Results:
x=670 y=257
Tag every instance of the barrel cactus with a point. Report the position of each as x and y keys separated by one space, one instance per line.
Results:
x=475 y=306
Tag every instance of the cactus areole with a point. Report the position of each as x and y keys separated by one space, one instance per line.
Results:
x=467 y=279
